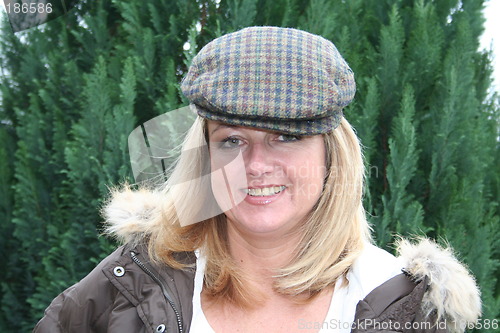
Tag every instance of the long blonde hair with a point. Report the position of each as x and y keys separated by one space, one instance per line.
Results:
x=332 y=237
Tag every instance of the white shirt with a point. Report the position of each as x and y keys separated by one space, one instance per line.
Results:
x=373 y=267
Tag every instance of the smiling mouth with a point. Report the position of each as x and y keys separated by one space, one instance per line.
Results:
x=264 y=191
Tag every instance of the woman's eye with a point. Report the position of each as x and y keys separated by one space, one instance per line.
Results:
x=289 y=137
x=230 y=143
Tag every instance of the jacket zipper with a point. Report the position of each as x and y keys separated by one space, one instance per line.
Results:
x=163 y=289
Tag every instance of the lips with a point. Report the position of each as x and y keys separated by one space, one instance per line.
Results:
x=264 y=191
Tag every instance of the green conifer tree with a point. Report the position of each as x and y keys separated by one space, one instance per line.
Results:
x=73 y=89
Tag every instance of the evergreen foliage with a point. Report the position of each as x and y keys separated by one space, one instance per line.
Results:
x=73 y=89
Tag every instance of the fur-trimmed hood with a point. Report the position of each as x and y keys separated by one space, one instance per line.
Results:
x=131 y=216
x=452 y=294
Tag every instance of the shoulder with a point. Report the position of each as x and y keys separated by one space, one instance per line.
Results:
x=372 y=268
x=81 y=303
x=122 y=294
x=436 y=293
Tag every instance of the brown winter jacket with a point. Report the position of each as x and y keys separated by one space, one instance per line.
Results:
x=126 y=293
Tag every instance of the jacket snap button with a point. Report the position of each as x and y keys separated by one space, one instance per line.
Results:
x=119 y=271
x=160 y=328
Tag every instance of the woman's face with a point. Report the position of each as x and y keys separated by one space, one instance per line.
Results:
x=273 y=179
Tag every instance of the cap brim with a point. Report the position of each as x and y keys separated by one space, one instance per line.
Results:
x=302 y=126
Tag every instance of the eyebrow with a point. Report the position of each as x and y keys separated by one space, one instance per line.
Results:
x=223 y=126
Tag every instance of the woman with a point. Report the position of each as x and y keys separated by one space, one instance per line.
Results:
x=287 y=247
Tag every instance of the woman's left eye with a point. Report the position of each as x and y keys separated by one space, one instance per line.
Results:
x=288 y=137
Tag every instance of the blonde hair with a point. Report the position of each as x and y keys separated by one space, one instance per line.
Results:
x=332 y=237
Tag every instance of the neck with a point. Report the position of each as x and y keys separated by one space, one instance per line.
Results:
x=260 y=256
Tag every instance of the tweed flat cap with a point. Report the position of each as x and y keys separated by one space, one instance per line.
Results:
x=272 y=78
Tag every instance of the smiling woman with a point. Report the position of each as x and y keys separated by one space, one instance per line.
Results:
x=277 y=199
x=290 y=247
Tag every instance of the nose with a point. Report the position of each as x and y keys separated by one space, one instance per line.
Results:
x=258 y=160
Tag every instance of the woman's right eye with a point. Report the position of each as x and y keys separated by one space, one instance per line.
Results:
x=230 y=143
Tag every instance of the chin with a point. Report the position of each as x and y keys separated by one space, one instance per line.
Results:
x=262 y=224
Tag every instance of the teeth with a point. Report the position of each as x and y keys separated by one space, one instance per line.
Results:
x=266 y=191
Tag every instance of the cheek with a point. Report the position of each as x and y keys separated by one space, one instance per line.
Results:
x=220 y=159
x=228 y=179
x=308 y=178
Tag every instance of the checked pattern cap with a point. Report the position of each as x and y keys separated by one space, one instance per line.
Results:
x=280 y=79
